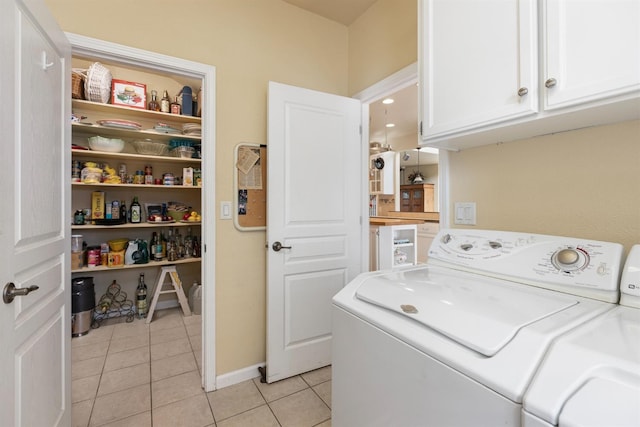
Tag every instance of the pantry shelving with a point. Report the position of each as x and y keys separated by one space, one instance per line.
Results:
x=159 y=72
x=150 y=264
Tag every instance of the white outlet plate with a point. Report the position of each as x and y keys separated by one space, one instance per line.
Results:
x=225 y=210
x=465 y=213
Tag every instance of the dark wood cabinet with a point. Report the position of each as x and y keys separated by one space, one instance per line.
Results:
x=416 y=198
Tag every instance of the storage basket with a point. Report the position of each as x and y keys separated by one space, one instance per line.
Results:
x=77 y=83
x=97 y=83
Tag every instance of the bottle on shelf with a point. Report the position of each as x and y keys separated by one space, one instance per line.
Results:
x=123 y=212
x=175 y=106
x=141 y=297
x=163 y=245
x=153 y=104
x=135 y=211
x=165 y=102
x=154 y=245
x=196 y=247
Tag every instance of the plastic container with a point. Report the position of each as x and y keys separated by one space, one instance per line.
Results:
x=76 y=243
x=83 y=301
x=195 y=298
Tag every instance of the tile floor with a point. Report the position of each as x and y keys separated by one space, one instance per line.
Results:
x=139 y=375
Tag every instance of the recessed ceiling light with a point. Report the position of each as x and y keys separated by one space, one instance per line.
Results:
x=390 y=125
x=387 y=101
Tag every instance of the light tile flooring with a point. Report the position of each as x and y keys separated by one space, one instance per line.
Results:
x=139 y=375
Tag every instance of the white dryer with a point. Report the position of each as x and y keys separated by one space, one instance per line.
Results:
x=591 y=376
x=457 y=342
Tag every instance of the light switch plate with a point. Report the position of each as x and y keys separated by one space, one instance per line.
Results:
x=465 y=213
x=225 y=210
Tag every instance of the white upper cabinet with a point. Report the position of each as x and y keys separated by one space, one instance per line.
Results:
x=486 y=79
x=591 y=50
x=479 y=63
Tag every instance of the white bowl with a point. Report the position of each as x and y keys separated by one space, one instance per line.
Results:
x=111 y=145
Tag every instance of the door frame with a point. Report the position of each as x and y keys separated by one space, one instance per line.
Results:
x=138 y=58
x=399 y=80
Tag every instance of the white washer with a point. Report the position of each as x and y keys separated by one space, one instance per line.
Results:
x=457 y=342
x=591 y=376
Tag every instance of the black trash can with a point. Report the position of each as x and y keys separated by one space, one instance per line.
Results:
x=83 y=301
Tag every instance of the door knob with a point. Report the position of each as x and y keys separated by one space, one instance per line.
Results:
x=523 y=91
x=277 y=246
x=550 y=82
x=10 y=292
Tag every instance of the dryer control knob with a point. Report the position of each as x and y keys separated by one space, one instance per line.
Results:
x=567 y=256
x=569 y=259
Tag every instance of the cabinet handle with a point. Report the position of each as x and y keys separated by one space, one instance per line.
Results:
x=550 y=82
x=523 y=91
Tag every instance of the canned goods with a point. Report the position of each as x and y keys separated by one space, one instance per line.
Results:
x=168 y=179
x=148 y=179
x=139 y=177
x=76 y=168
x=93 y=256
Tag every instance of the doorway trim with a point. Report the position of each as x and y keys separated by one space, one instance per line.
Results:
x=99 y=49
x=399 y=80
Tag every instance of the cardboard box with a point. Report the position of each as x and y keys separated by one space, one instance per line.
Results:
x=187 y=177
x=97 y=205
x=116 y=259
x=129 y=94
x=77 y=260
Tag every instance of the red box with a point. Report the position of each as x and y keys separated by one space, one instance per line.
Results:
x=128 y=94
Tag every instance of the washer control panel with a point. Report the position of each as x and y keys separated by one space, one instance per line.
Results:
x=542 y=260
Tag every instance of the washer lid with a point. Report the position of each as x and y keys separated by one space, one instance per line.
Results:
x=479 y=312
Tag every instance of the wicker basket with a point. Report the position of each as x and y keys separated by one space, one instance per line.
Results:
x=77 y=84
x=97 y=84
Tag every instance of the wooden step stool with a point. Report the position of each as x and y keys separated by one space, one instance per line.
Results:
x=177 y=289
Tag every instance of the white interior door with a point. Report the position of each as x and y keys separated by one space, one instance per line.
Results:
x=35 y=329
x=314 y=211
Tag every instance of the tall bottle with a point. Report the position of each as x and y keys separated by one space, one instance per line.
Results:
x=141 y=297
x=153 y=104
x=123 y=212
x=196 y=247
x=163 y=245
x=165 y=103
x=136 y=211
x=154 y=246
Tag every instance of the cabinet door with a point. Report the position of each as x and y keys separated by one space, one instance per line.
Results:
x=476 y=57
x=405 y=200
x=417 y=200
x=591 y=50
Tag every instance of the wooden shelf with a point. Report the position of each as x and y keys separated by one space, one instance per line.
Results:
x=132 y=113
x=150 y=264
x=131 y=225
x=90 y=154
x=145 y=186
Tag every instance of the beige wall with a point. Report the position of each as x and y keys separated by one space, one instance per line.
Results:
x=249 y=42
x=584 y=183
x=382 y=41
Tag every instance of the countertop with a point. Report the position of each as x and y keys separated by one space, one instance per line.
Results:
x=377 y=220
x=402 y=218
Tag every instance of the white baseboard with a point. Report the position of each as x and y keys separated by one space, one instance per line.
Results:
x=235 y=377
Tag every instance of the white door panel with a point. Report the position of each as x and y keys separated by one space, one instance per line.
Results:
x=34 y=227
x=314 y=207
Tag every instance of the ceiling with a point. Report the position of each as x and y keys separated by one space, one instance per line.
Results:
x=403 y=137
x=403 y=112
x=342 y=11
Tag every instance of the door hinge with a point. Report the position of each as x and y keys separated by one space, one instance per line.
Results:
x=360 y=129
x=420 y=128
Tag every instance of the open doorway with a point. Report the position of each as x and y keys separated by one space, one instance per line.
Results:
x=399 y=145
x=393 y=118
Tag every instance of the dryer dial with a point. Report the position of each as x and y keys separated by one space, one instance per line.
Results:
x=570 y=259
